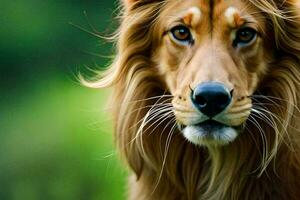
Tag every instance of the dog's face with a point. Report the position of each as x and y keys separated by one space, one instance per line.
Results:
x=212 y=56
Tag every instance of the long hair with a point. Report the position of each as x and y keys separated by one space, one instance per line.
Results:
x=263 y=162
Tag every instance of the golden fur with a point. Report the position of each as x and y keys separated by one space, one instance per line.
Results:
x=152 y=76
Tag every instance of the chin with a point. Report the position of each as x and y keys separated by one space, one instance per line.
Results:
x=210 y=133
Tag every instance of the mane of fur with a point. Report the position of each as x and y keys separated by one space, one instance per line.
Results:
x=264 y=162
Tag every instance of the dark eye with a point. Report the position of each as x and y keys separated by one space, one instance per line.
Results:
x=182 y=34
x=245 y=36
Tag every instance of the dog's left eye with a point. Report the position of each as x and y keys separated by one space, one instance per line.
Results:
x=245 y=36
x=181 y=34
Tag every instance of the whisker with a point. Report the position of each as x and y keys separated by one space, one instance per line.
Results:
x=168 y=141
x=273 y=124
x=154 y=113
x=143 y=124
x=264 y=142
x=272 y=98
x=257 y=147
x=140 y=130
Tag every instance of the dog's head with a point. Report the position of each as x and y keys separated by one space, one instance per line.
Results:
x=211 y=56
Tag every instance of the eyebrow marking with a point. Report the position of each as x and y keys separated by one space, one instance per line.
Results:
x=192 y=17
x=233 y=17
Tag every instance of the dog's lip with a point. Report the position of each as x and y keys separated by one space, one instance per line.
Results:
x=210 y=124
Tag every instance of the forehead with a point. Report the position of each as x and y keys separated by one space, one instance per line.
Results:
x=232 y=12
x=210 y=6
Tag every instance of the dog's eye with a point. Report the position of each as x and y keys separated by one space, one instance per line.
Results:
x=181 y=34
x=245 y=36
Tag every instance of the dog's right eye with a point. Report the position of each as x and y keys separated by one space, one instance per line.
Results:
x=245 y=36
x=181 y=35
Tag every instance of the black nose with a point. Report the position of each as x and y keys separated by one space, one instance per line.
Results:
x=211 y=98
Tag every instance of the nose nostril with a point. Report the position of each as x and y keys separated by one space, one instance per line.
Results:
x=223 y=99
x=231 y=93
x=201 y=101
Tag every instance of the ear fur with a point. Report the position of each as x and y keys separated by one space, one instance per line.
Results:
x=128 y=3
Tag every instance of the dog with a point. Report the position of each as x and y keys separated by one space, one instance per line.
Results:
x=205 y=98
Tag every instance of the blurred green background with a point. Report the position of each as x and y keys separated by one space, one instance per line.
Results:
x=56 y=136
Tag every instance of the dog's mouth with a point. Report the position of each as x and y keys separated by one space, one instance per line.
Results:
x=210 y=126
x=210 y=131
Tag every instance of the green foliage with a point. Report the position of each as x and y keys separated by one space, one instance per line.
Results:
x=56 y=136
